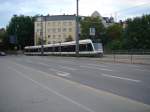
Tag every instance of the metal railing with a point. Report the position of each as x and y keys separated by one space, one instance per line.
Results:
x=128 y=56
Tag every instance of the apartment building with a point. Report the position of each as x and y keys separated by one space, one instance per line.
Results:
x=107 y=21
x=54 y=29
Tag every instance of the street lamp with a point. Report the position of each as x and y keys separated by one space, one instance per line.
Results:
x=77 y=30
x=41 y=34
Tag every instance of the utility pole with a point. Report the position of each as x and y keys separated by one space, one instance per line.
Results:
x=42 y=47
x=77 y=30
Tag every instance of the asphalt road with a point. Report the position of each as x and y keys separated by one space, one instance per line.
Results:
x=63 y=84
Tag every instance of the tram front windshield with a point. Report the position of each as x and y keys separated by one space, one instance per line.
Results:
x=98 y=46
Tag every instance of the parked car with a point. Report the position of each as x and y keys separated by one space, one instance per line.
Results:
x=2 y=53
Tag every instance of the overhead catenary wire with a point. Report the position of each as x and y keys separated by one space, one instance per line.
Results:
x=131 y=11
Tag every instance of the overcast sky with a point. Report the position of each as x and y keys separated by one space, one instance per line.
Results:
x=124 y=8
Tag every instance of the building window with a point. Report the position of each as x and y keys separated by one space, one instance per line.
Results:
x=70 y=29
x=59 y=23
x=54 y=30
x=49 y=36
x=38 y=30
x=49 y=30
x=59 y=29
x=54 y=36
x=38 y=24
x=64 y=29
x=64 y=36
x=65 y=23
x=59 y=36
x=70 y=23
x=54 y=23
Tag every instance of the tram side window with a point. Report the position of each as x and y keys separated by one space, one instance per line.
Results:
x=82 y=47
x=70 y=48
x=39 y=49
x=29 y=50
x=57 y=49
x=45 y=49
x=63 y=48
x=36 y=50
x=85 y=47
x=26 y=50
x=89 y=47
x=73 y=47
x=50 y=49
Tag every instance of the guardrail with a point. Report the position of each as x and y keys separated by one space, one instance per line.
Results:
x=132 y=52
x=128 y=56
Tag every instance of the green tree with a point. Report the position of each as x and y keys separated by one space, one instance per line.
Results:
x=114 y=32
x=91 y=22
x=23 y=28
x=4 y=40
x=137 y=33
x=113 y=37
x=39 y=41
x=2 y=34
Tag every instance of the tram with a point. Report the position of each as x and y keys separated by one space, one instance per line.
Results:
x=86 y=48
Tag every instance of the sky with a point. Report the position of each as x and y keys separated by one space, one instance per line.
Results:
x=119 y=9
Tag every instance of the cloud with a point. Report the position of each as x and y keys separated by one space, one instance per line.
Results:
x=86 y=7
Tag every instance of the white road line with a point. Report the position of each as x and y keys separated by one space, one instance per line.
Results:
x=29 y=61
x=51 y=90
x=143 y=70
x=55 y=70
x=60 y=73
x=66 y=67
x=94 y=65
x=66 y=62
x=96 y=68
x=129 y=65
x=44 y=64
x=63 y=74
x=106 y=69
x=122 y=78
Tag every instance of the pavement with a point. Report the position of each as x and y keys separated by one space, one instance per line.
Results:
x=63 y=84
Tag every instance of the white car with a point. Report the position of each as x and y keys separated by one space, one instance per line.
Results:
x=2 y=53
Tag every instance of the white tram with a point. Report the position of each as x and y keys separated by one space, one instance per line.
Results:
x=86 y=48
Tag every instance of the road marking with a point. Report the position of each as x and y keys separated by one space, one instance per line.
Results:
x=106 y=69
x=96 y=68
x=94 y=65
x=29 y=61
x=44 y=64
x=143 y=70
x=63 y=74
x=100 y=92
x=51 y=90
x=66 y=67
x=122 y=78
x=60 y=73
x=69 y=62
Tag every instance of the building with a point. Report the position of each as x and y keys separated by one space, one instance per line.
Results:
x=107 y=21
x=60 y=28
x=54 y=29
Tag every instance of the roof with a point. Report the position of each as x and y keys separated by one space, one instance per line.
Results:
x=56 y=17
x=62 y=44
x=96 y=14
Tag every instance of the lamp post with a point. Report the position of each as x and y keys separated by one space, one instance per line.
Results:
x=77 y=30
x=41 y=34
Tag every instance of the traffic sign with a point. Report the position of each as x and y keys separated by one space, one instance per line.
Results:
x=92 y=31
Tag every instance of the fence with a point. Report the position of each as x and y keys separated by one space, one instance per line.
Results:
x=128 y=56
